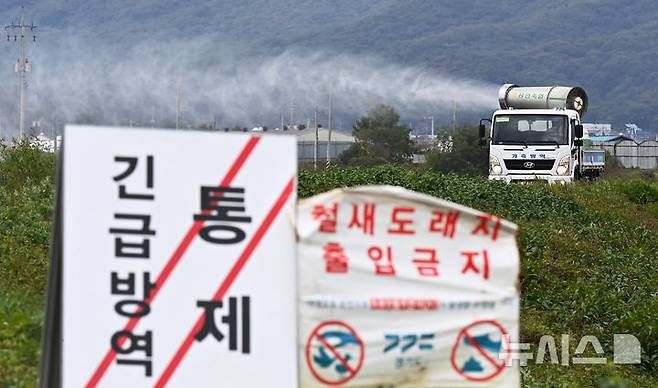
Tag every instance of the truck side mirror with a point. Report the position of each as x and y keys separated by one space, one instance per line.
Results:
x=579 y=131
x=481 y=131
x=578 y=142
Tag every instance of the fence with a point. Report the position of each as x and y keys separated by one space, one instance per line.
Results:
x=643 y=155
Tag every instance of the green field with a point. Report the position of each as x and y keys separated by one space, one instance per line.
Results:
x=589 y=255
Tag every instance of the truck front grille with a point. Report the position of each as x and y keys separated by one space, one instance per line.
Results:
x=529 y=164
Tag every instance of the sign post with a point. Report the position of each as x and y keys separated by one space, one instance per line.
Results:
x=403 y=289
x=178 y=259
x=51 y=337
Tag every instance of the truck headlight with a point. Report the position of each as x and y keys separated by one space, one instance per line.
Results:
x=494 y=166
x=563 y=166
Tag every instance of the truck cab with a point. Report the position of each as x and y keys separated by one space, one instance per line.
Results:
x=536 y=135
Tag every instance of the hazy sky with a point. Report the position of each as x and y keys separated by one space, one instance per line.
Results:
x=90 y=79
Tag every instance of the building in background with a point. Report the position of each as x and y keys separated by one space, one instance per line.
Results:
x=630 y=153
x=596 y=129
x=340 y=141
x=638 y=134
x=45 y=143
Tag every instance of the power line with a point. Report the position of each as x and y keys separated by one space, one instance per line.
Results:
x=22 y=30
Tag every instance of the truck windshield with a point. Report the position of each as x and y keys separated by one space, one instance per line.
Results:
x=530 y=129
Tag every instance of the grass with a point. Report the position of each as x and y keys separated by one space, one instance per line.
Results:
x=588 y=252
x=21 y=318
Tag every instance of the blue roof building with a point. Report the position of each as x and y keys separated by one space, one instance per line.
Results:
x=608 y=138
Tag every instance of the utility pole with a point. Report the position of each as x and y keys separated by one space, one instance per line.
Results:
x=54 y=121
x=431 y=118
x=52 y=136
x=315 y=149
x=329 y=123
x=23 y=66
x=454 y=118
x=153 y=117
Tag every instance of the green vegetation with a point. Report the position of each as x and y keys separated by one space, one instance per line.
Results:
x=26 y=208
x=465 y=156
x=588 y=259
x=379 y=139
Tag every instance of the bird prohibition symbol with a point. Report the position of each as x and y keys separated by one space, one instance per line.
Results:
x=334 y=353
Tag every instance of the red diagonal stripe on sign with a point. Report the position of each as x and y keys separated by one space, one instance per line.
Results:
x=228 y=281
x=173 y=261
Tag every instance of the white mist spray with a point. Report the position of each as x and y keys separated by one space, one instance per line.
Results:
x=85 y=84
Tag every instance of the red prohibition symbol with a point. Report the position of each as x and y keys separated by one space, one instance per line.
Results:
x=486 y=350
x=334 y=353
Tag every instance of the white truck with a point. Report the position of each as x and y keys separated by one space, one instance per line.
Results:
x=537 y=135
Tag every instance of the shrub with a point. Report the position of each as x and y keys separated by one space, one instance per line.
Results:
x=24 y=163
x=465 y=156
x=639 y=191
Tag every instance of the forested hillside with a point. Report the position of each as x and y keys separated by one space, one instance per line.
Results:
x=610 y=48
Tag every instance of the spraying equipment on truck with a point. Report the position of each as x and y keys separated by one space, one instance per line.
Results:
x=537 y=135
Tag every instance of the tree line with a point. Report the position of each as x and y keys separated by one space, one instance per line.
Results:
x=382 y=139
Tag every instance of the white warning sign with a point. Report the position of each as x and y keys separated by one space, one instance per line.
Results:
x=402 y=289
x=178 y=259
